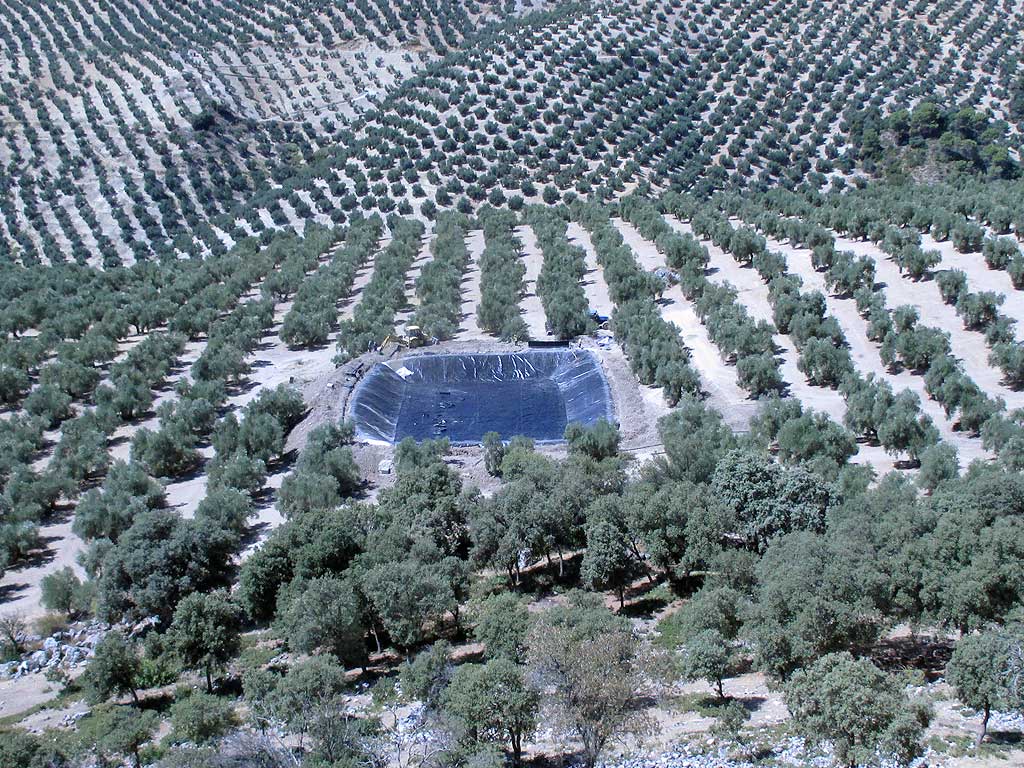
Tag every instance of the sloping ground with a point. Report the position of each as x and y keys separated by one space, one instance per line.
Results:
x=530 y=305
x=865 y=353
x=595 y=97
x=470 y=328
x=753 y=294
x=968 y=346
x=718 y=379
x=594 y=285
x=131 y=124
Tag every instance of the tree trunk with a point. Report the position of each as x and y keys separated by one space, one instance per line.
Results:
x=622 y=598
x=561 y=563
x=209 y=680
x=376 y=638
x=135 y=697
x=721 y=691
x=984 y=726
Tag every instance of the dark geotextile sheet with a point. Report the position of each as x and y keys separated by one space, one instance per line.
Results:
x=462 y=397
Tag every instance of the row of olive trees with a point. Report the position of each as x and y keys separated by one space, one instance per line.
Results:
x=501 y=276
x=373 y=319
x=738 y=337
x=439 y=286
x=187 y=299
x=653 y=346
x=904 y=341
x=558 y=284
x=824 y=356
x=314 y=312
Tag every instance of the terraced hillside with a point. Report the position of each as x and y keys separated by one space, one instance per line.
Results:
x=229 y=120
x=135 y=132
x=595 y=98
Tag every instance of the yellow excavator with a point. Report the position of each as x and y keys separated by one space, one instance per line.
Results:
x=413 y=338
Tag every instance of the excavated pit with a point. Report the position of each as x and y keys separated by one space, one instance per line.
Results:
x=464 y=396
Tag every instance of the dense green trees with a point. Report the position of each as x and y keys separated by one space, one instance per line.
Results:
x=858 y=708
x=501 y=276
x=695 y=439
x=127 y=492
x=323 y=613
x=114 y=669
x=590 y=660
x=493 y=703
x=205 y=632
x=160 y=559
x=558 y=285
x=985 y=670
x=324 y=474
x=64 y=592
x=501 y=625
x=439 y=286
x=810 y=600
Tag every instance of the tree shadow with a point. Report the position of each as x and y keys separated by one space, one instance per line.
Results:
x=542 y=578
x=113 y=442
x=240 y=388
x=1005 y=738
x=922 y=652
x=38 y=557
x=10 y=592
x=640 y=603
x=197 y=471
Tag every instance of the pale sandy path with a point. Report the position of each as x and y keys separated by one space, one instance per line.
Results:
x=412 y=301
x=968 y=346
x=363 y=276
x=20 y=586
x=981 y=278
x=717 y=377
x=530 y=306
x=20 y=590
x=753 y=293
x=866 y=355
x=594 y=285
x=470 y=326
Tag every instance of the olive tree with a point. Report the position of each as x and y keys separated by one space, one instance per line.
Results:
x=858 y=708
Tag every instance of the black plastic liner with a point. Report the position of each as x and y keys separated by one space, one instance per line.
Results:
x=462 y=397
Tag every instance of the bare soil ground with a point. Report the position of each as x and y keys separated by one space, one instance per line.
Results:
x=865 y=353
x=753 y=293
x=412 y=301
x=594 y=285
x=20 y=585
x=981 y=278
x=470 y=329
x=530 y=304
x=718 y=378
x=968 y=346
